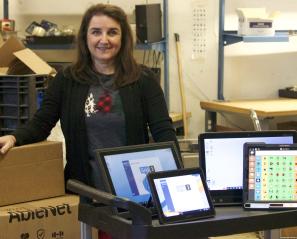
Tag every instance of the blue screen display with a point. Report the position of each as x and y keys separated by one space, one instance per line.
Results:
x=128 y=171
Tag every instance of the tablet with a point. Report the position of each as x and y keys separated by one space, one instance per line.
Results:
x=270 y=176
x=124 y=169
x=180 y=195
x=220 y=156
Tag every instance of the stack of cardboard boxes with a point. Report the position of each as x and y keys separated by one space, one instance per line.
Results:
x=33 y=203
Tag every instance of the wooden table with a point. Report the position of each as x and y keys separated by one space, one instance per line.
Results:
x=177 y=120
x=264 y=109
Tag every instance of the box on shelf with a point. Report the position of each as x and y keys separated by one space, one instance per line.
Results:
x=16 y=59
x=254 y=22
x=288 y=92
x=31 y=172
x=54 y=218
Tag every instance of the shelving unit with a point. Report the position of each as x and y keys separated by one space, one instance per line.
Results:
x=231 y=37
x=163 y=47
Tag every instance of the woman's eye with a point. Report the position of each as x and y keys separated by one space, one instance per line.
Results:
x=113 y=32
x=96 y=32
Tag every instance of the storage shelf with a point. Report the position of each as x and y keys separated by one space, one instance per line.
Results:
x=157 y=46
x=231 y=37
x=50 y=46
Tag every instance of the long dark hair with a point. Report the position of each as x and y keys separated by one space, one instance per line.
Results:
x=126 y=68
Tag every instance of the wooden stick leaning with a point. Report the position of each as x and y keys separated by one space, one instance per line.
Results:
x=181 y=86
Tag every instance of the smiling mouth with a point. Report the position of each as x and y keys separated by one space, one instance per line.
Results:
x=104 y=48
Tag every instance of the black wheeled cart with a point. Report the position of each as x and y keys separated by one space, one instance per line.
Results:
x=139 y=224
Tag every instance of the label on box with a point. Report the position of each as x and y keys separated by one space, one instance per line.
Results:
x=54 y=218
x=260 y=24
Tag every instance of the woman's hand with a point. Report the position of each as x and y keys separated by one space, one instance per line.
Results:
x=6 y=143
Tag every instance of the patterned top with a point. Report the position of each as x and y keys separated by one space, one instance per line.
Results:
x=105 y=122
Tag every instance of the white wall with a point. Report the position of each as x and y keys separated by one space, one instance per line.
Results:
x=199 y=75
x=251 y=70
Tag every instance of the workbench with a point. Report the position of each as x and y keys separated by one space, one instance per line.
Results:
x=265 y=109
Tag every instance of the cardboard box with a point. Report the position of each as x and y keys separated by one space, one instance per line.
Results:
x=31 y=172
x=16 y=59
x=254 y=22
x=289 y=232
x=55 y=218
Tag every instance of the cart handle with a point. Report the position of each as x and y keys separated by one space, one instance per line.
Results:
x=139 y=214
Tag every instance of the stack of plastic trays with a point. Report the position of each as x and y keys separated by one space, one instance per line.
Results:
x=20 y=97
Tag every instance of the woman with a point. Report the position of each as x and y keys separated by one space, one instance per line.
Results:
x=105 y=99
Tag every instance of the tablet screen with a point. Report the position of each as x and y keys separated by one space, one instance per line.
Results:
x=180 y=195
x=270 y=177
x=124 y=169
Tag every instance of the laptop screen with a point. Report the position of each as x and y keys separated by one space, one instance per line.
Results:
x=270 y=176
x=221 y=157
x=125 y=168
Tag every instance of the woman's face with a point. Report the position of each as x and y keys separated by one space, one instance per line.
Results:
x=104 y=39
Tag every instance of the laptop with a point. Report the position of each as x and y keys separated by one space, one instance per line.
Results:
x=124 y=169
x=221 y=158
x=180 y=195
x=270 y=176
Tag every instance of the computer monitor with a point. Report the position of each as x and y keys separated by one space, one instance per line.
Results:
x=221 y=158
x=124 y=169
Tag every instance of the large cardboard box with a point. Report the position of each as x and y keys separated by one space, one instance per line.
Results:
x=31 y=172
x=16 y=59
x=55 y=218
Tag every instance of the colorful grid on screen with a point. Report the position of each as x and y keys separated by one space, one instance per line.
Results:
x=273 y=177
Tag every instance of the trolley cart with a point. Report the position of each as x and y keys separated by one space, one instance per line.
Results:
x=139 y=224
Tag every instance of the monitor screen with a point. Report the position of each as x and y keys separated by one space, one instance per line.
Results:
x=221 y=156
x=125 y=168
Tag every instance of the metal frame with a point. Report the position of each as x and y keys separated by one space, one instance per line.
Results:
x=5 y=9
x=229 y=220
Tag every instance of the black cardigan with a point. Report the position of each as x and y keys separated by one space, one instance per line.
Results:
x=143 y=104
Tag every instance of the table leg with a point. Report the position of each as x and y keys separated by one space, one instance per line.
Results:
x=272 y=234
x=85 y=231
x=265 y=123
x=210 y=121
